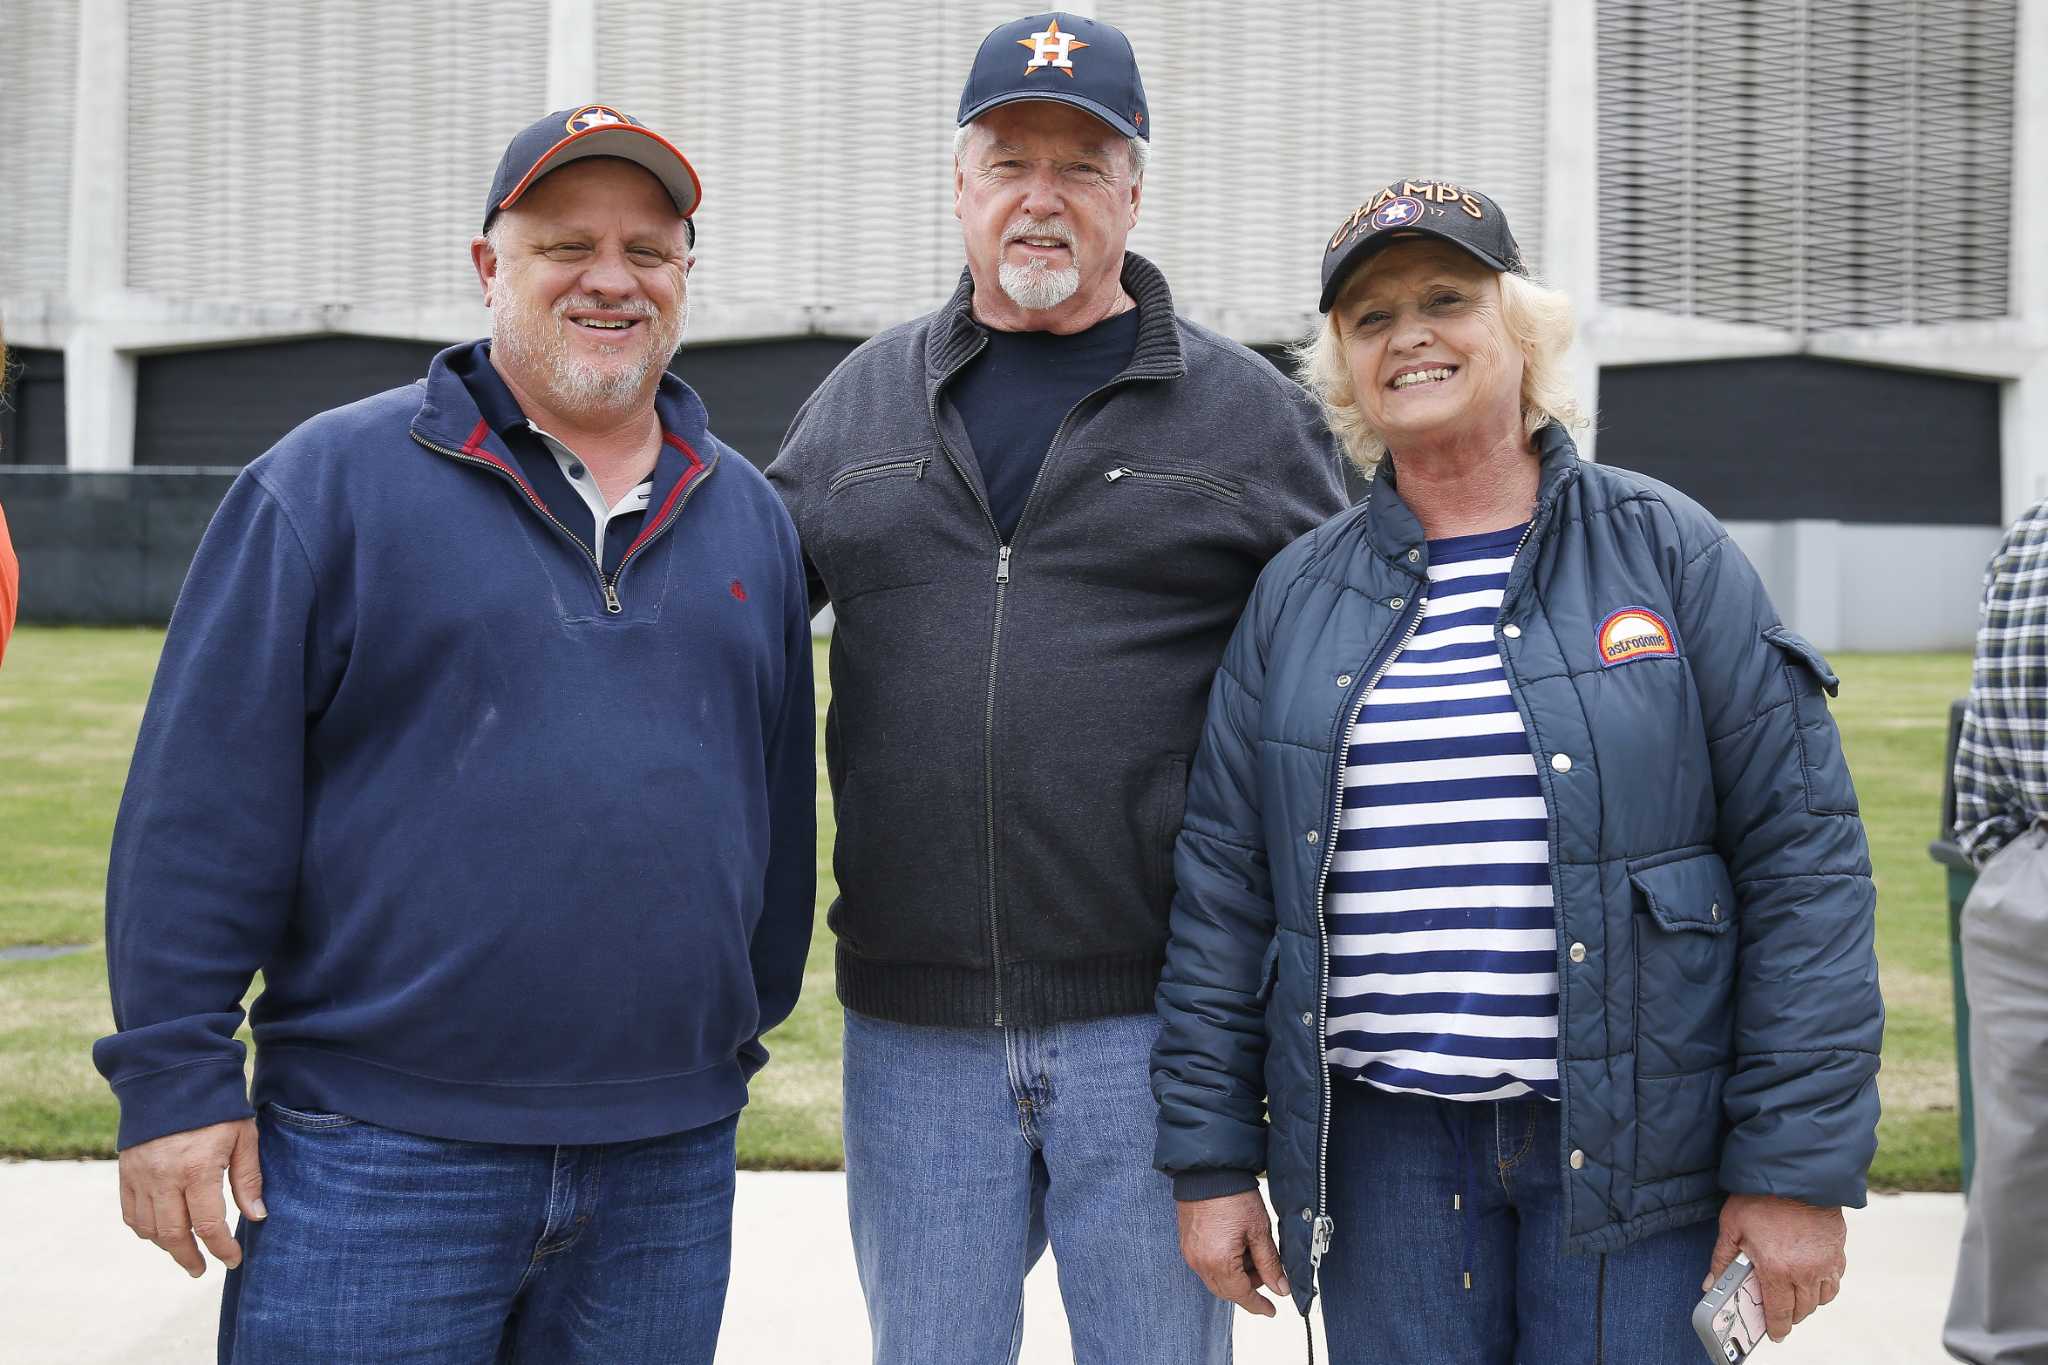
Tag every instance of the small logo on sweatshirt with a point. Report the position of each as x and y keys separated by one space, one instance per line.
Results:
x=1634 y=633
x=738 y=590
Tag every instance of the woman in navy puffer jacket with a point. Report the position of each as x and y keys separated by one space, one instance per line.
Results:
x=1572 y=951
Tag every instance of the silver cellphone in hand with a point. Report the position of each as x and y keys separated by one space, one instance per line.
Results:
x=1730 y=1319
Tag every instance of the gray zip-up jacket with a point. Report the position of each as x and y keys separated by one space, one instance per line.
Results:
x=1011 y=723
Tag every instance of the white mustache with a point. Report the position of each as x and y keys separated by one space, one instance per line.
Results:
x=639 y=308
x=1040 y=227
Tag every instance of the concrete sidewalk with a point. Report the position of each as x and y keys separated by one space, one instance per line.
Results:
x=77 y=1287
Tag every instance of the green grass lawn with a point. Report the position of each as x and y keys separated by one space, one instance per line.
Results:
x=70 y=701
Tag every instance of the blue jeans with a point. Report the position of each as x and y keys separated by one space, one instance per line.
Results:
x=1393 y=1281
x=967 y=1149
x=386 y=1246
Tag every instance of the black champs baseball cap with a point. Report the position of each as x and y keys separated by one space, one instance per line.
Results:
x=1425 y=208
x=1062 y=57
x=591 y=130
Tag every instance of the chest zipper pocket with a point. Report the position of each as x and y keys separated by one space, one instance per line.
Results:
x=880 y=469
x=1205 y=484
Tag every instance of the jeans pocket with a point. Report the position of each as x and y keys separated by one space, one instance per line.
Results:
x=310 y=1120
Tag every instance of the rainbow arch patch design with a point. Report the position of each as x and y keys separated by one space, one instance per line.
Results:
x=1634 y=633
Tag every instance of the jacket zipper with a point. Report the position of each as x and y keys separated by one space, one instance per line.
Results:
x=1557 y=901
x=875 y=471
x=1324 y=1226
x=611 y=601
x=995 y=648
x=610 y=586
x=1195 y=481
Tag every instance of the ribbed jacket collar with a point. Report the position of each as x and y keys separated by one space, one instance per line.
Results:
x=954 y=336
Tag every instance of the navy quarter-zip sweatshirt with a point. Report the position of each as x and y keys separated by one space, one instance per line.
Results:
x=523 y=849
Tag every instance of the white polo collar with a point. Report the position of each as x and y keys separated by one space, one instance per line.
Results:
x=580 y=478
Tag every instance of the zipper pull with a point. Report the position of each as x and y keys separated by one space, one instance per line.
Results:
x=1319 y=1240
x=1003 y=565
x=1118 y=473
x=611 y=600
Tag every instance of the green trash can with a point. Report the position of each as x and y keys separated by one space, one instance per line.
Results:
x=1962 y=875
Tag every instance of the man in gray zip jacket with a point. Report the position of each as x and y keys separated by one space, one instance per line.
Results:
x=1037 y=513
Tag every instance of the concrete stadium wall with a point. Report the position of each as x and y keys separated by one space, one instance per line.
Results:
x=1854 y=586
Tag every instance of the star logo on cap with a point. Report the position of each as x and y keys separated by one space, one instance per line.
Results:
x=1052 y=48
x=1397 y=212
x=594 y=116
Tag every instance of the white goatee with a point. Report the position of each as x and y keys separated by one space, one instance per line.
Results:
x=1035 y=285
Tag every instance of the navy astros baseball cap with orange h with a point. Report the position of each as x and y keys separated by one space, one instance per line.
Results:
x=1061 y=57
x=591 y=130
x=1419 y=208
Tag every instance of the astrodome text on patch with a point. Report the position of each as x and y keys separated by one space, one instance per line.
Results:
x=1634 y=633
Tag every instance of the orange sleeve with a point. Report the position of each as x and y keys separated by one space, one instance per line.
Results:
x=10 y=585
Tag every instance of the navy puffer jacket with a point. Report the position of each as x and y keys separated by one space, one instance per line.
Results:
x=1719 y=1016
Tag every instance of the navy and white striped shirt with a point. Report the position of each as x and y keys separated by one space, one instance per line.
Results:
x=1443 y=951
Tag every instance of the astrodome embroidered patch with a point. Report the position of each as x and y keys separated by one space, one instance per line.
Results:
x=1634 y=633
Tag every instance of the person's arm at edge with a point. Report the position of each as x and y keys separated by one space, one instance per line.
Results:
x=782 y=938
x=205 y=856
x=10 y=585
x=204 y=867
x=1990 y=812
x=786 y=476
x=1209 y=1062
x=1802 y=1102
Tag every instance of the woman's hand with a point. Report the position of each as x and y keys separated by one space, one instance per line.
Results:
x=1229 y=1243
x=1797 y=1249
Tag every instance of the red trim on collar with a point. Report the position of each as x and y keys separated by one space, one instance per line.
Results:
x=474 y=448
x=653 y=523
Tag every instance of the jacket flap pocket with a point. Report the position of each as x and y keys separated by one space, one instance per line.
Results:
x=1690 y=895
x=1798 y=647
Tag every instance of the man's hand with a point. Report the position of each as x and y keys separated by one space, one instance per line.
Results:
x=1797 y=1249
x=1229 y=1243
x=170 y=1191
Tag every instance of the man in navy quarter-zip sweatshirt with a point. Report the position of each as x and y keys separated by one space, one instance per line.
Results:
x=483 y=731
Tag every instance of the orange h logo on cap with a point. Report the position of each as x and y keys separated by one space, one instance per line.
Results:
x=1051 y=48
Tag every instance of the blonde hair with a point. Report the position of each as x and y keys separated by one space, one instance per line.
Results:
x=1539 y=320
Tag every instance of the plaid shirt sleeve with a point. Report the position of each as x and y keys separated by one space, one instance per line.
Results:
x=2001 y=777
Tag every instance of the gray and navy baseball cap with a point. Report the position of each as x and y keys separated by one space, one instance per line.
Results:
x=1419 y=208
x=1060 y=57
x=591 y=130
